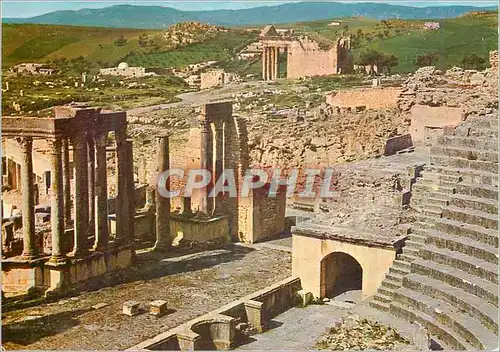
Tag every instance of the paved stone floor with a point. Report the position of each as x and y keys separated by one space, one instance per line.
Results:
x=192 y=284
x=297 y=328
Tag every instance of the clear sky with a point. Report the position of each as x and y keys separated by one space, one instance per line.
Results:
x=29 y=8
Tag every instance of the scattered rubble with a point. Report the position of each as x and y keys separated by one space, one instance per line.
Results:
x=355 y=333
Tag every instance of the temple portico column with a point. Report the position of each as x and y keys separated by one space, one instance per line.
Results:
x=206 y=161
x=264 y=63
x=101 y=188
x=30 y=249
x=67 y=181
x=270 y=64
x=81 y=207
x=277 y=63
x=273 y=63
x=122 y=204
x=163 y=240
x=57 y=202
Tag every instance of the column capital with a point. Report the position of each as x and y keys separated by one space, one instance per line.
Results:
x=55 y=145
x=79 y=140
x=26 y=142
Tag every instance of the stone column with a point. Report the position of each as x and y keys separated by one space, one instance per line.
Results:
x=163 y=240
x=206 y=161
x=57 y=202
x=91 y=166
x=129 y=150
x=101 y=188
x=273 y=63
x=219 y=158
x=67 y=182
x=264 y=63
x=277 y=63
x=122 y=205
x=19 y=183
x=81 y=207
x=270 y=64
x=30 y=249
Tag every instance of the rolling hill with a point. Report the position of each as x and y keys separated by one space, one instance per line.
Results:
x=159 y=17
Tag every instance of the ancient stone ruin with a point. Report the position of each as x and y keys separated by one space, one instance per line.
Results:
x=81 y=247
x=305 y=56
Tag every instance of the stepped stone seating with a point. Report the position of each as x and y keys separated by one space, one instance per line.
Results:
x=446 y=279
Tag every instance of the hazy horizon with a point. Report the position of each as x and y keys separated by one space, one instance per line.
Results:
x=27 y=8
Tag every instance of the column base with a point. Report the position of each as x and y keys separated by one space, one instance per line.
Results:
x=30 y=256
x=58 y=260
x=78 y=253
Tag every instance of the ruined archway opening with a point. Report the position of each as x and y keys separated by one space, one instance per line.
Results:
x=340 y=273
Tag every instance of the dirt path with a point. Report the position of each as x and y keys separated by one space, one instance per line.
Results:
x=200 y=97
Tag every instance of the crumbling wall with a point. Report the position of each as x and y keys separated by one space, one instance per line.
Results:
x=211 y=79
x=432 y=99
x=306 y=58
x=371 y=98
x=328 y=137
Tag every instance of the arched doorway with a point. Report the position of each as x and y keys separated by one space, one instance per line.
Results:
x=340 y=273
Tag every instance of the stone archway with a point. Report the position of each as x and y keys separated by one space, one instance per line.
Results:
x=340 y=273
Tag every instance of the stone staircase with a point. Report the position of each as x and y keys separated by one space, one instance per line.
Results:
x=446 y=278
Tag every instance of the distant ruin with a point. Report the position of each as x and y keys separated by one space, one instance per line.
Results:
x=305 y=56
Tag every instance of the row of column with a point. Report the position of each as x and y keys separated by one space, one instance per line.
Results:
x=270 y=63
x=91 y=197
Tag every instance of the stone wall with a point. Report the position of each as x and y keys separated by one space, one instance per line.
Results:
x=425 y=117
x=260 y=216
x=306 y=58
x=211 y=79
x=216 y=330
x=371 y=98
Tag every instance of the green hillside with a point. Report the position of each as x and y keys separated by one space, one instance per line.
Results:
x=469 y=34
x=28 y=42
x=220 y=48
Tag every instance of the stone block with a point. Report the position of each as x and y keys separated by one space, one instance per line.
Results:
x=305 y=297
x=158 y=307
x=131 y=308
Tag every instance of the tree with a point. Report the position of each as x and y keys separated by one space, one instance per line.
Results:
x=389 y=61
x=473 y=62
x=426 y=59
x=374 y=58
x=370 y=58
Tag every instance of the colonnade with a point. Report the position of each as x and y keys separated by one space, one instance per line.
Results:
x=90 y=211
x=270 y=63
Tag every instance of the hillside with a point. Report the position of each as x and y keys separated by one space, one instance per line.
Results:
x=101 y=46
x=471 y=33
x=159 y=17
